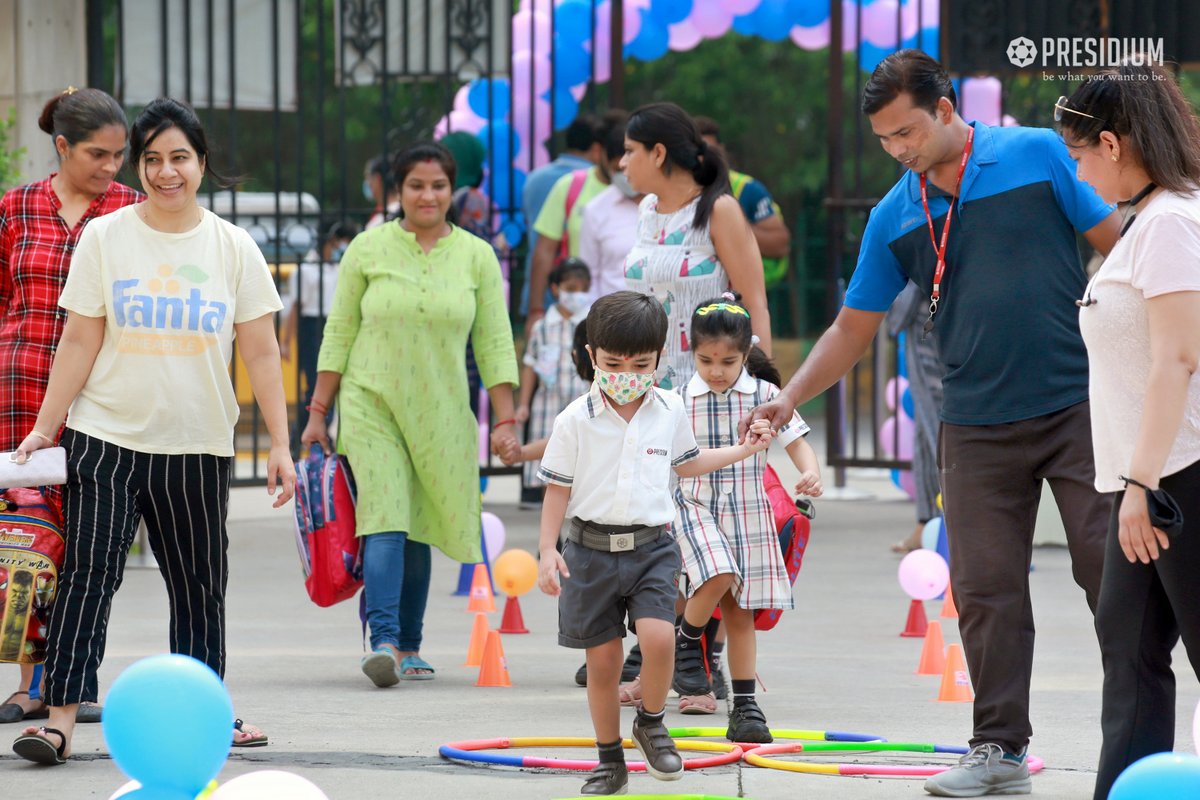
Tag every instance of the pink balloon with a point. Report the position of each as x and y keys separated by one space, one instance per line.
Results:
x=879 y=23
x=890 y=437
x=530 y=31
x=894 y=390
x=541 y=156
x=849 y=26
x=814 y=38
x=923 y=574
x=532 y=135
x=683 y=36
x=908 y=483
x=930 y=14
x=1009 y=121
x=631 y=20
x=601 y=44
x=525 y=62
x=981 y=100
x=739 y=7
x=578 y=91
x=461 y=103
x=711 y=20
x=467 y=121
x=484 y=450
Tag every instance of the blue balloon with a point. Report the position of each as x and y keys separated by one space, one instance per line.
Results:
x=809 y=13
x=901 y=361
x=168 y=722
x=498 y=181
x=566 y=107
x=669 y=12
x=513 y=228
x=906 y=402
x=499 y=138
x=872 y=54
x=746 y=25
x=930 y=534
x=477 y=97
x=573 y=22
x=896 y=479
x=572 y=64
x=773 y=20
x=1162 y=776
x=652 y=41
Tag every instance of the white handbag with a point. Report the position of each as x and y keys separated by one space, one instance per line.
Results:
x=46 y=467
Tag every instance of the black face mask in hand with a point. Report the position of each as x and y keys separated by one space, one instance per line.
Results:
x=1165 y=513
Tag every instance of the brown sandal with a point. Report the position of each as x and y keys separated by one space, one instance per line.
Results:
x=631 y=693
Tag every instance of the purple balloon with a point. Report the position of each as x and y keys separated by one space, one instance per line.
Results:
x=889 y=437
x=849 y=26
x=923 y=574
x=524 y=63
x=684 y=36
x=908 y=484
x=711 y=19
x=894 y=390
x=530 y=31
x=493 y=536
x=981 y=100
x=879 y=23
x=462 y=98
x=815 y=38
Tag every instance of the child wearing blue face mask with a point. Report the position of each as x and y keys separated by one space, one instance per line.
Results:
x=307 y=302
x=549 y=380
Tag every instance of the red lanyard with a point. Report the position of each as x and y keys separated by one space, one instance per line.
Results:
x=940 y=250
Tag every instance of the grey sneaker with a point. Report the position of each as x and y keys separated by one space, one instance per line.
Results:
x=658 y=748
x=985 y=769
x=607 y=778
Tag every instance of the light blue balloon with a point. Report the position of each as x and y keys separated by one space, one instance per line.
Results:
x=929 y=534
x=168 y=722
x=653 y=40
x=158 y=793
x=1162 y=776
x=477 y=97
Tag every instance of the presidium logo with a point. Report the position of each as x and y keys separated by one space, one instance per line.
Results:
x=1085 y=52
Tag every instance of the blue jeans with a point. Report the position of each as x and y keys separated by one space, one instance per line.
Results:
x=396 y=582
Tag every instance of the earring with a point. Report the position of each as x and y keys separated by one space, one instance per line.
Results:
x=1115 y=156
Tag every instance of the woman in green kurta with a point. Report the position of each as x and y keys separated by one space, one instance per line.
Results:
x=409 y=294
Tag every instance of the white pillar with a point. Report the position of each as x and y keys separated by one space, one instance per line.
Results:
x=43 y=50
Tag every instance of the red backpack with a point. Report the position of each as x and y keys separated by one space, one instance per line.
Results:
x=793 y=526
x=329 y=551
x=31 y=555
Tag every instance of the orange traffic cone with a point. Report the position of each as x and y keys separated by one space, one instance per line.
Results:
x=479 y=634
x=916 y=624
x=512 y=621
x=956 y=681
x=481 y=591
x=494 y=670
x=933 y=656
x=949 y=610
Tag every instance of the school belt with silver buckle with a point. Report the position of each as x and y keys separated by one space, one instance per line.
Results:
x=612 y=538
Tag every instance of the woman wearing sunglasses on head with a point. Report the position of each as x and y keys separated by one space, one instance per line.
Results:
x=1135 y=139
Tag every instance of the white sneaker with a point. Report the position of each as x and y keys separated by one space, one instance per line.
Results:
x=985 y=769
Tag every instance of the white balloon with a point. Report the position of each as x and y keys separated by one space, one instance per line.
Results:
x=268 y=784
x=126 y=789
x=1196 y=729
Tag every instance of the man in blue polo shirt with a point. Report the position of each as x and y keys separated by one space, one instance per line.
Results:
x=1016 y=387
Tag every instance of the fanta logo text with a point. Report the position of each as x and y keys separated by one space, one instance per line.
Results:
x=162 y=312
x=15 y=538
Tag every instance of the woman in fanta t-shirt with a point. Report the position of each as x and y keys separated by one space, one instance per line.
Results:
x=155 y=294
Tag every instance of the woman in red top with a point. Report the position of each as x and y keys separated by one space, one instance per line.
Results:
x=40 y=224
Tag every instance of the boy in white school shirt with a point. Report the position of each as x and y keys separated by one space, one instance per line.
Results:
x=608 y=467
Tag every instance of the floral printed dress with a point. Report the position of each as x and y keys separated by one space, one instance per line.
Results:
x=677 y=264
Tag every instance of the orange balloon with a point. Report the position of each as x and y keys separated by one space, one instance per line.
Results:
x=515 y=572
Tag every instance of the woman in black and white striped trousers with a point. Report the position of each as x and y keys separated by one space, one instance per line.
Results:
x=154 y=297
x=183 y=499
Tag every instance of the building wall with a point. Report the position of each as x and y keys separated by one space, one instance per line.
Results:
x=42 y=51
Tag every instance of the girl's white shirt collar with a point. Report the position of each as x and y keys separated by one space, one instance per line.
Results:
x=746 y=384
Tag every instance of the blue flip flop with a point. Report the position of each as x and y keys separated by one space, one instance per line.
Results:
x=415 y=662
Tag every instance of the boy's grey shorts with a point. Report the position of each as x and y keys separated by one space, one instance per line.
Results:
x=605 y=588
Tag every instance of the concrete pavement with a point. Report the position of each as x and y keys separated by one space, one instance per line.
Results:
x=836 y=663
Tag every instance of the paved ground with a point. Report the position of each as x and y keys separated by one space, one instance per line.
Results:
x=837 y=663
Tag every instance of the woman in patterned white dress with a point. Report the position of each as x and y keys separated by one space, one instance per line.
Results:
x=723 y=522
x=693 y=241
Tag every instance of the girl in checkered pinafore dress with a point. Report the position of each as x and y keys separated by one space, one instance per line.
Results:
x=724 y=523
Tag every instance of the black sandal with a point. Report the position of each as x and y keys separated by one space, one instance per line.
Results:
x=37 y=748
